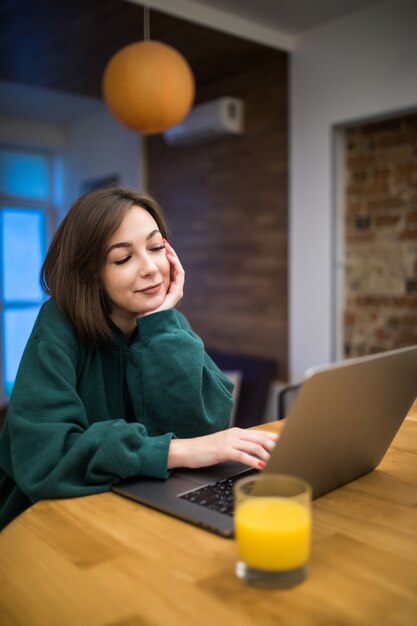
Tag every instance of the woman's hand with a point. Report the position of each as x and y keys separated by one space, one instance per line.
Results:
x=176 y=287
x=250 y=447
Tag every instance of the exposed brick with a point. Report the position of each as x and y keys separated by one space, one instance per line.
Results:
x=409 y=320
x=406 y=339
x=396 y=142
x=402 y=154
x=380 y=234
x=408 y=234
x=358 y=163
x=411 y=285
x=385 y=203
x=360 y=177
x=393 y=322
x=388 y=301
x=360 y=237
x=412 y=202
x=412 y=217
x=352 y=206
x=387 y=220
x=349 y=318
x=378 y=185
x=384 y=127
x=362 y=222
x=410 y=124
x=375 y=349
x=406 y=173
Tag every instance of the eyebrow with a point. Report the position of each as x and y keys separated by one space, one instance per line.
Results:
x=129 y=244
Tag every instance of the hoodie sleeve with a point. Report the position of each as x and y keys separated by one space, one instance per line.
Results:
x=181 y=390
x=54 y=451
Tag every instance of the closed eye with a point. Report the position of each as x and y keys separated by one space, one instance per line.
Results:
x=127 y=258
x=122 y=261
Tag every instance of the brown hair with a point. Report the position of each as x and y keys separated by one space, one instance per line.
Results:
x=71 y=271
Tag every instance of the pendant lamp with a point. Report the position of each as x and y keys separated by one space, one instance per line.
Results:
x=148 y=86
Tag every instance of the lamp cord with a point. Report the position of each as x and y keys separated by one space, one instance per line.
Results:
x=146 y=31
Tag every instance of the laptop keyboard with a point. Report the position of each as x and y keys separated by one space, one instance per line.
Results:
x=217 y=496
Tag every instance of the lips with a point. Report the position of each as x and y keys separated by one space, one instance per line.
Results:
x=152 y=289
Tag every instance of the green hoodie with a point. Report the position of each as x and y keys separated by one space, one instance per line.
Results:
x=79 y=420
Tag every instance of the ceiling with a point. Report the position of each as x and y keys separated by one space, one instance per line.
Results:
x=290 y=16
x=64 y=47
x=53 y=53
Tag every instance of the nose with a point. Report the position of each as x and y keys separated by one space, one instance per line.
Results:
x=147 y=267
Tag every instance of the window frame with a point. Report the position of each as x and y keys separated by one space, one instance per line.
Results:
x=51 y=214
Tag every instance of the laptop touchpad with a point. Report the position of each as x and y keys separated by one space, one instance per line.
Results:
x=210 y=474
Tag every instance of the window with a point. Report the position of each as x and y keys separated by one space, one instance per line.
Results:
x=26 y=217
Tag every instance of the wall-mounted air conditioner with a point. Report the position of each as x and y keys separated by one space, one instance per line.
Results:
x=222 y=116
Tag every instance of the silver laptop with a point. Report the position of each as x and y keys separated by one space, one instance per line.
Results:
x=339 y=428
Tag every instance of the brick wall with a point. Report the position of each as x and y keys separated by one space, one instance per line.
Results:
x=226 y=202
x=381 y=236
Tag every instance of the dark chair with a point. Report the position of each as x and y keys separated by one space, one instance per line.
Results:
x=286 y=398
x=3 y=410
x=257 y=374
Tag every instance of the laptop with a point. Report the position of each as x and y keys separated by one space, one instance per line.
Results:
x=340 y=426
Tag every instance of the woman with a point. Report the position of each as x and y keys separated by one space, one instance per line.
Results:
x=113 y=382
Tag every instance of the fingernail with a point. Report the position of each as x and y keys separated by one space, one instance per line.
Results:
x=261 y=464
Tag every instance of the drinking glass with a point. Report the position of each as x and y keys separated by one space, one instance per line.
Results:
x=273 y=529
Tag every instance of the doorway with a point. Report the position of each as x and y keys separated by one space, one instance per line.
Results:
x=376 y=236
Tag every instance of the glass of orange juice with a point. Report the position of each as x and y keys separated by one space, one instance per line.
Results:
x=272 y=529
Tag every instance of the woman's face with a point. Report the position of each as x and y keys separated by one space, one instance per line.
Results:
x=136 y=274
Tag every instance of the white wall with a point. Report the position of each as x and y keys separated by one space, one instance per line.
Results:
x=99 y=146
x=359 y=67
x=19 y=132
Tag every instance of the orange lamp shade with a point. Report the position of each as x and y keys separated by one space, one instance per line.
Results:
x=148 y=86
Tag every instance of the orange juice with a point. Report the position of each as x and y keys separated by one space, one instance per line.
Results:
x=273 y=533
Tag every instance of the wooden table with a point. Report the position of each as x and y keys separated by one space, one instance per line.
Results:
x=104 y=560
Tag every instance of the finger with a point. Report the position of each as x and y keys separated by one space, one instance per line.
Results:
x=172 y=254
x=255 y=450
x=175 y=263
x=267 y=442
x=259 y=435
x=176 y=267
x=177 y=272
x=168 y=247
x=170 y=250
x=248 y=459
x=177 y=281
x=176 y=288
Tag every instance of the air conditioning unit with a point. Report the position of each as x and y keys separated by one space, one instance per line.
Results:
x=222 y=116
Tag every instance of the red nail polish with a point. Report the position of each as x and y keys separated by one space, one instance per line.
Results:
x=261 y=464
